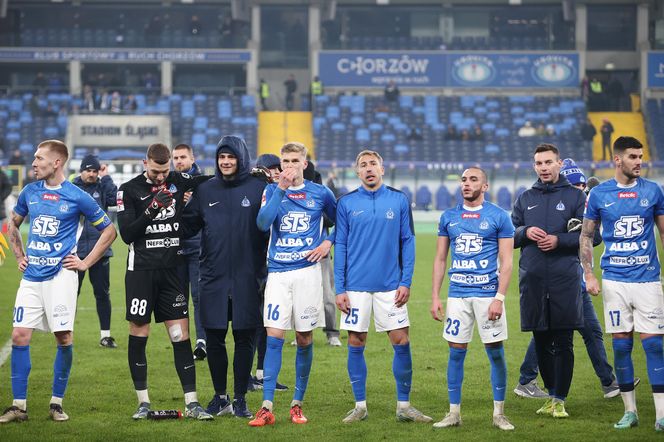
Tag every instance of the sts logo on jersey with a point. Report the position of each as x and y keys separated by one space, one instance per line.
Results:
x=628 y=226
x=468 y=243
x=45 y=225
x=294 y=222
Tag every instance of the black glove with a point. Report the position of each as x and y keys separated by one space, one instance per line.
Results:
x=162 y=199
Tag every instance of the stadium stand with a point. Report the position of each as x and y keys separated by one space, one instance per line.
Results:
x=345 y=123
x=198 y=119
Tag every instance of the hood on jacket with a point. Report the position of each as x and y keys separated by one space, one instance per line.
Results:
x=552 y=187
x=195 y=170
x=239 y=149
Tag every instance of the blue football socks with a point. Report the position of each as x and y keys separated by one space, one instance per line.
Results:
x=655 y=362
x=271 y=366
x=402 y=367
x=455 y=374
x=498 y=371
x=303 y=361
x=20 y=367
x=357 y=372
x=624 y=368
x=61 y=369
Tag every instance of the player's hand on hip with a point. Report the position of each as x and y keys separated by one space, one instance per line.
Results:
x=592 y=284
x=73 y=262
x=437 y=311
x=495 y=310
x=343 y=303
x=401 y=298
x=319 y=252
x=550 y=242
x=23 y=264
x=535 y=234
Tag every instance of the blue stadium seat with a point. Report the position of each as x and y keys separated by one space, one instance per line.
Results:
x=504 y=198
x=423 y=198
x=443 y=198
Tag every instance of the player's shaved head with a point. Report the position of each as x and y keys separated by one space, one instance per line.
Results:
x=159 y=153
x=57 y=147
x=481 y=171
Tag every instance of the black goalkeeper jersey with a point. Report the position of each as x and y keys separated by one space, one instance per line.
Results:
x=153 y=243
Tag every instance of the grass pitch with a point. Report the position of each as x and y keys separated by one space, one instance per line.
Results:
x=100 y=398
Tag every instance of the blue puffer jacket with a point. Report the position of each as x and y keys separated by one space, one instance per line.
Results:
x=104 y=192
x=549 y=282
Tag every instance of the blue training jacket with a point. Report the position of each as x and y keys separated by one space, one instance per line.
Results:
x=374 y=250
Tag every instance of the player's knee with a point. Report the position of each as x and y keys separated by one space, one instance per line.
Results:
x=175 y=332
x=64 y=337
x=20 y=336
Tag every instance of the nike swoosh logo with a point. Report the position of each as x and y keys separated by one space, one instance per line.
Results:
x=64 y=323
x=34 y=202
x=532 y=207
x=496 y=334
x=660 y=326
x=453 y=224
x=401 y=321
x=500 y=388
x=314 y=323
x=187 y=367
x=143 y=198
x=140 y=365
x=660 y=368
x=358 y=213
x=609 y=204
x=213 y=204
x=185 y=312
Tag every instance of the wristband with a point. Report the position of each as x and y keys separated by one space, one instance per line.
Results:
x=500 y=297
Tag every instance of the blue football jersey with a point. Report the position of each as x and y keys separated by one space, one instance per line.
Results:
x=55 y=224
x=474 y=238
x=627 y=216
x=298 y=223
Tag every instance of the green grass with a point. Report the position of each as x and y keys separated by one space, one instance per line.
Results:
x=100 y=398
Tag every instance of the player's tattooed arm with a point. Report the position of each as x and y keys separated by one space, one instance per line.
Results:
x=586 y=255
x=16 y=241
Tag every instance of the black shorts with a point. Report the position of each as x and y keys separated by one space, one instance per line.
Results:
x=159 y=291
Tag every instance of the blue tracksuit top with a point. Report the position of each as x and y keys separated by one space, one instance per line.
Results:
x=374 y=249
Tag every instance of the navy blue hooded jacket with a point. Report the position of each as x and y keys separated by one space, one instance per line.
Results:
x=104 y=192
x=549 y=282
x=233 y=261
x=191 y=246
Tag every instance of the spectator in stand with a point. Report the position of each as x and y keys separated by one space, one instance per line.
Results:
x=606 y=131
x=115 y=102
x=39 y=82
x=130 y=104
x=585 y=89
x=195 y=25
x=550 y=130
x=150 y=81
x=88 y=98
x=226 y=31
x=414 y=135
x=391 y=92
x=291 y=87
x=17 y=158
x=465 y=135
x=55 y=83
x=104 y=101
x=477 y=133
x=451 y=133
x=527 y=130
x=540 y=131
x=588 y=132
x=35 y=108
x=49 y=111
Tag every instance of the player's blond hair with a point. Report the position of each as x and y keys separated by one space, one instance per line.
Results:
x=294 y=147
x=56 y=146
x=369 y=152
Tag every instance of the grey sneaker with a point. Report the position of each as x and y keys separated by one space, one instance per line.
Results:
x=355 y=415
x=220 y=405
x=334 y=341
x=502 y=423
x=193 y=410
x=530 y=390
x=613 y=389
x=412 y=414
x=57 y=414
x=450 y=420
x=142 y=412
x=12 y=414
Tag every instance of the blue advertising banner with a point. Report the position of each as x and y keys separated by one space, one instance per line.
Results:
x=656 y=69
x=450 y=69
x=367 y=69
x=125 y=55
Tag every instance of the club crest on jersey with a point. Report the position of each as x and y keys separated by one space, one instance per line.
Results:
x=51 y=197
x=245 y=202
x=484 y=225
x=64 y=208
x=627 y=195
x=560 y=206
x=172 y=188
x=470 y=216
x=644 y=202
x=389 y=214
x=311 y=204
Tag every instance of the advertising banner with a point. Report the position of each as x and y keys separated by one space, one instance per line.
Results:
x=118 y=131
x=656 y=69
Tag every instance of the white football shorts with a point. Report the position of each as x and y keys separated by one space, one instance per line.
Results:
x=48 y=306
x=460 y=318
x=294 y=299
x=633 y=306
x=387 y=316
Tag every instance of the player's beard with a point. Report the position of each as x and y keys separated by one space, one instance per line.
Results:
x=473 y=197
x=629 y=173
